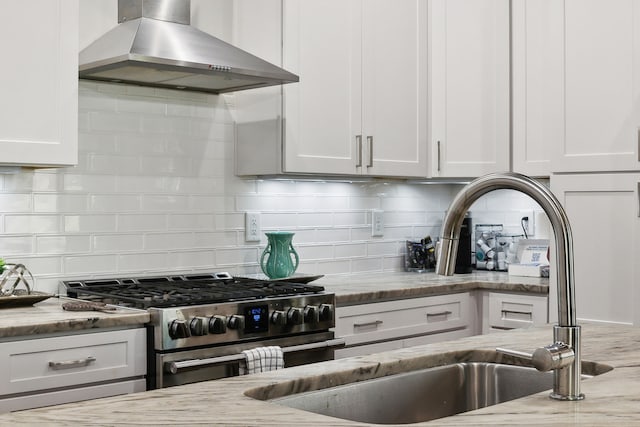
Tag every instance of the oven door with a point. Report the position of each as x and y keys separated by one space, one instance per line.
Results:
x=193 y=365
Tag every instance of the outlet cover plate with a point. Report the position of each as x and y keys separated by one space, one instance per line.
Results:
x=252 y=226
x=377 y=223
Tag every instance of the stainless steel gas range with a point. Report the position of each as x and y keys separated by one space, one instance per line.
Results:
x=200 y=324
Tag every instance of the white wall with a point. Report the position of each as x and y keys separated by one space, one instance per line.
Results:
x=155 y=191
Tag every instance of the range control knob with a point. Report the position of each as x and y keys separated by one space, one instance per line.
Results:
x=325 y=312
x=295 y=316
x=198 y=326
x=217 y=324
x=236 y=322
x=311 y=314
x=279 y=318
x=179 y=329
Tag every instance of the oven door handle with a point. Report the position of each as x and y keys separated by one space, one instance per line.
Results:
x=175 y=367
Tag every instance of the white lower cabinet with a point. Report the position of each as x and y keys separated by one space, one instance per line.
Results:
x=390 y=325
x=503 y=311
x=70 y=368
x=370 y=328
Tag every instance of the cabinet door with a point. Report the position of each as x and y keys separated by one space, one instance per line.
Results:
x=39 y=83
x=323 y=112
x=602 y=86
x=469 y=87
x=394 y=81
x=537 y=84
x=604 y=213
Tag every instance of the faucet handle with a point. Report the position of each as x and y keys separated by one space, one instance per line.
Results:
x=554 y=356
x=515 y=353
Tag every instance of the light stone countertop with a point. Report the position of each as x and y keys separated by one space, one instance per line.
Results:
x=48 y=317
x=376 y=287
x=611 y=398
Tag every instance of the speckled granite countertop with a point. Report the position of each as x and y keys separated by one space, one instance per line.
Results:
x=611 y=398
x=367 y=288
x=48 y=317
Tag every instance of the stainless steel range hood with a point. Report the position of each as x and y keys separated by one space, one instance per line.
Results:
x=154 y=45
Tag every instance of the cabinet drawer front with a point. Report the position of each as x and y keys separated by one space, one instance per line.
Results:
x=396 y=319
x=508 y=311
x=47 y=363
x=58 y=397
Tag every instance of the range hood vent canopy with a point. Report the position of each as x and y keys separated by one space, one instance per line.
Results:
x=155 y=45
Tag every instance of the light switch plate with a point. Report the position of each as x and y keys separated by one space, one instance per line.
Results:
x=377 y=223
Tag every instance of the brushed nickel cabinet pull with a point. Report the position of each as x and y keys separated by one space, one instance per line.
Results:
x=506 y=312
x=438 y=156
x=359 y=149
x=363 y=325
x=68 y=364
x=370 y=144
x=441 y=313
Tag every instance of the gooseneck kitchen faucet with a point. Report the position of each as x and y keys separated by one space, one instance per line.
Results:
x=563 y=356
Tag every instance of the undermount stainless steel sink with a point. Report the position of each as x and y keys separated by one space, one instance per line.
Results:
x=424 y=394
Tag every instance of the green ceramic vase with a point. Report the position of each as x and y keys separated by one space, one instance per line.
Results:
x=279 y=258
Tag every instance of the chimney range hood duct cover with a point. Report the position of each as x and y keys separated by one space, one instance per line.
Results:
x=154 y=45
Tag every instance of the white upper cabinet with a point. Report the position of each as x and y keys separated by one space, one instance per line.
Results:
x=39 y=83
x=469 y=87
x=537 y=84
x=361 y=104
x=601 y=87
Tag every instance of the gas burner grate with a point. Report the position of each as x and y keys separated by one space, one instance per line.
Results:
x=164 y=292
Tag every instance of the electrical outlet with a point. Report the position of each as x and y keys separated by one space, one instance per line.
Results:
x=529 y=223
x=252 y=226
x=377 y=223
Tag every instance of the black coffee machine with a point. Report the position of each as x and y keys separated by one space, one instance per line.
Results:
x=463 y=260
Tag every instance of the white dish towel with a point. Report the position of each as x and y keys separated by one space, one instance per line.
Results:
x=262 y=359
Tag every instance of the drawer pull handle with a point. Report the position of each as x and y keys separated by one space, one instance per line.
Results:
x=507 y=312
x=364 y=325
x=440 y=313
x=68 y=364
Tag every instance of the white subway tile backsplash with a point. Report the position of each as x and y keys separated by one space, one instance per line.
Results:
x=350 y=250
x=89 y=223
x=144 y=262
x=117 y=243
x=366 y=264
x=14 y=202
x=333 y=235
x=315 y=252
x=43 y=265
x=16 y=245
x=141 y=222
x=88 y=183
x=237 y=256
x=142 y=105
x=100 y=163
x=193 y=259
x=114 y=203
x=97 y=143
x=187 y=221
x=31 y=224
x=45 y=181
x=88 y=264
x=162 y=203
x=63 y=244
x=107 y=121
x=45 y=203
x=383 y=248
x=155 y=191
